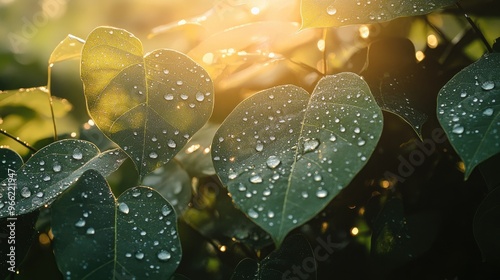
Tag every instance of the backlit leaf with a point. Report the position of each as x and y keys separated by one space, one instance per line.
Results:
x=149 y=105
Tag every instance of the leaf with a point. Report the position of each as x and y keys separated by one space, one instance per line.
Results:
x=468 y=110
x=173 y=183
x=150 y=106
x=294 y=258
x=320 y=13
x=54 y=168
x=284 y=154
x=132 y=237
x=486 y=227
x=26 y=114
x=395 y=80
x=69 y=48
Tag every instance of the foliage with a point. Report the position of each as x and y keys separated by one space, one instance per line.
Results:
x=238 y=156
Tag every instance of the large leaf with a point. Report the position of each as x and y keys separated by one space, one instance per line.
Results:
x=469 y=111
x=149 y=105
x=26 y=113
x=320 y=13
x=99 y=237
x=284 y=154
x=53 y=169
x=487 y=229
x=294 y=259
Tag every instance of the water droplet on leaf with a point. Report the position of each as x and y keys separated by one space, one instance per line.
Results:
x=77 y=154
x=123 y=207
x=273 y=161
x=488 y=85
x=321 y=193
x=164 y=255
x=256 y=179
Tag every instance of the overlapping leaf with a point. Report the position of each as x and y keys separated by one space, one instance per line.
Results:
x=99 y=237
x=149 y=105
x=320 y=13
x=53 y=169
x=469 y=111
x=284 y=154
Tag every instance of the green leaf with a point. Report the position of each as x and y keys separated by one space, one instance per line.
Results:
x=26 y=114
x=149 y=105
x=294 y=259
x=54 y=168
x=320 y=13
x=132 y=237
x=468 y=110
x=173 y=183
x=284 y=154
x=69 y=48
x=487 y=229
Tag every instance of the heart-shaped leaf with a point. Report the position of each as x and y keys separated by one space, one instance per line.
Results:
x=469 y=111
x=293 y=259
x=53 y=169
x=99 y=237
x=149 y=105
x=284 y=154
x=320 y=13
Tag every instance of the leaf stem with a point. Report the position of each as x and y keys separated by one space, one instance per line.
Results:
x=49 y=75
x=18 y=140
x=476 y=29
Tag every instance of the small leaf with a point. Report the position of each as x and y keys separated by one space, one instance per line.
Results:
x=284 y=154
x=320 y=13
x=469 y=111
x=26 y=114
x=132 y=237
x=294 y=256
x=487 y=229
x=69 y=48
x=54 y=168
x=149 y=105
x=173 y=183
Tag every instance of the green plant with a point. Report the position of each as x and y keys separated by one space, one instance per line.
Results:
x=242 y=183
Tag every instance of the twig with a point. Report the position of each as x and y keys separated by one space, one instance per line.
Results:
x=476 y=29
x=18 y=140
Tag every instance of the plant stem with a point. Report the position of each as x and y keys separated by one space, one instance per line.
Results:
x=476 y=29
x=18 y=140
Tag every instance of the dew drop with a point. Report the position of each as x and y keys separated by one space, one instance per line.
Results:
x=139 y=255
x=165 y=210
x=46 y=178
x=241 y=187
x=164 y=255
x=458 y=129
x=488 y=112
x=232 y=175
x=179 y=83
x=166 y=71
x=333 y=138
x=25 y=192
x=310 y=145
x=171 y=143
x=331 y=10
x=168 y=96
x=57 y=167
x=153 y=155
x=90 y=230
x=304 y=194
x=184 y=96
x=361 y=142
x=463 y=94
x=123 y=207
x=80 y=223
x=270 y=214
x=256 y=179
x=321 y=193
x=259 y=147
x=77 y=154
x=317 y=177
x=253 y=214
x=273 y=162
x=200 y=96
x=488 y=85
